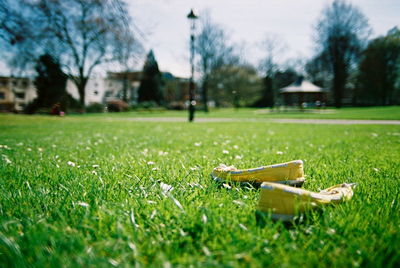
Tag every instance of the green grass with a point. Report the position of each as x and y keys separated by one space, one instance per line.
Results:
x=378 y=113
x=79 y=214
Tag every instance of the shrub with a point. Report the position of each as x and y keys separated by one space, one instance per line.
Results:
x=95 y=108
x=117 y=106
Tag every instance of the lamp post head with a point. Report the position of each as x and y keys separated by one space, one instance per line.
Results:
x=191 y=15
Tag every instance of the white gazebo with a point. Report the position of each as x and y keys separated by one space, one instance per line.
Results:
x=303 y=91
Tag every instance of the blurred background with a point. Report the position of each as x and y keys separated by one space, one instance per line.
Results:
x=75 y=56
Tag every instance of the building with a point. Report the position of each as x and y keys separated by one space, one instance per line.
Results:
x=303 y=93
x=94 y=90
x=16 y=93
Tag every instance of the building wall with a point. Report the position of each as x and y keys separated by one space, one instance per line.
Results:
x=95 y=90
x=16 y=93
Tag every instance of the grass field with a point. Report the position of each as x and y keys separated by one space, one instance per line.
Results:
x=382 y=113
x=90 y=191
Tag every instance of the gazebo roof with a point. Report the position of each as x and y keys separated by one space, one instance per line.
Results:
x=300 y=86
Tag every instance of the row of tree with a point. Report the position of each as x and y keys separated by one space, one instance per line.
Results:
x=81 y=35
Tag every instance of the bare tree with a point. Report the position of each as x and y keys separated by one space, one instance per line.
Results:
x=213 y=50
x=271 y=46
x=341 y=33
x=81 y=33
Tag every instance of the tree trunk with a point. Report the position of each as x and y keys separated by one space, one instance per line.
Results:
x=205 y=94
x=81 y=85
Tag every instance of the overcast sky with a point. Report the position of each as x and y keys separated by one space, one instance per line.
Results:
x=166 y=29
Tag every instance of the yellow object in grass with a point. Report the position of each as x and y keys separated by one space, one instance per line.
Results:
x=285 y=202
x=290 y=173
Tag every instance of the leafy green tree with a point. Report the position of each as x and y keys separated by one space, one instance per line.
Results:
x=379 y=70
x=151 y=83
x=50 y=83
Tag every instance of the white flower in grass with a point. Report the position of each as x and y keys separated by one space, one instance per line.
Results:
x=6 y=159
x=376 y=169
x=20 y=144
x=193 y=168
x=95 y=166
x=154 y=169
x=279 y=152
x=83 y=204
x=151 y=202
x=40 y=149
x=215 y=143
x=204 y=218
x=238 y=157
x=227 y=186
x=153 y=214
x=53 y=145
x=177 y=203
x=225 y=151
x=113 y=262
x=374 y=135
x=28 y=149
x=162 y=153
x=197 y=144
x=235 y=147
x=239 y=203
x=243 y=227
x=150 y=163
x=70 y=163
x=94 y=172
x=166 y=187
x=145 y=151
x=206 y=251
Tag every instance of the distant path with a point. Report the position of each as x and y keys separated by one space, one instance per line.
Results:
x=280 y=120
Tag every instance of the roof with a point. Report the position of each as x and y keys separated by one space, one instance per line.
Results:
x=301 y=85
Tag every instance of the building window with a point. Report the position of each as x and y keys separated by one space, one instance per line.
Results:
x=3 y=83
x=20 y=95
x=2 y=95
x=24 y=84
x=96 y=92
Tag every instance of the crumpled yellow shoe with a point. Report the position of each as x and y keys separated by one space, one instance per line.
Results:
x=290 y=173
x=285 y=202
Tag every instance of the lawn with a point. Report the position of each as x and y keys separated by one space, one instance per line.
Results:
x=378 y=113
x=90 y=191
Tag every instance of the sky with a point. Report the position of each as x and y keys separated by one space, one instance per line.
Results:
x=165 y=29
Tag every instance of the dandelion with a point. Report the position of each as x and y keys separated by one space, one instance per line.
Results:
x=83 y=204
x=279 y=152
x=70 y=163
x=225 y=151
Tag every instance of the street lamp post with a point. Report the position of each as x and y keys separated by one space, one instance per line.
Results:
x=192 y=102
